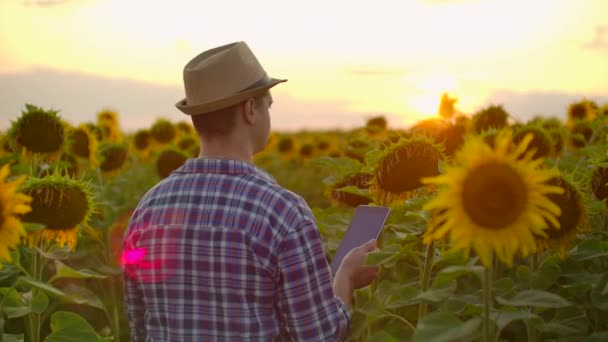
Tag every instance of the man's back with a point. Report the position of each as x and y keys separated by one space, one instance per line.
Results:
x=219 y=251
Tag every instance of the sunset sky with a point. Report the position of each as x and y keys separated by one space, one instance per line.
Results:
x=345 y=60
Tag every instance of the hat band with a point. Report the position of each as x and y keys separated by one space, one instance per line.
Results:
x=264 y=81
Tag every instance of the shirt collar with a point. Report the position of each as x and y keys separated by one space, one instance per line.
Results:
x=223 y=166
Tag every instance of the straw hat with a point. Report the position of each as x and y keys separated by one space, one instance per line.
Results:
x=222 y=77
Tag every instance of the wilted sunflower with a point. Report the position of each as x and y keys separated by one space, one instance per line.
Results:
x=402 y=167
x=572 y=217
x=490 y=117
x=38 y=132
x=12 y=204
x=360 y=180
x=163 y=131
x=168 y=160
x=493 y=199
x=60 y=203
x=83 y=144
x=376 y=125
x=113 y=157
x=541 y=143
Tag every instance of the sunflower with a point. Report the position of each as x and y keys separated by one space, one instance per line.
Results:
x=356 y=148
x=60 y=203
x=452 y=138
x=402 y=167
x=494 y=200
x=113 y=157
x=490 y=117
x=107 y=121
x=83 y=144
x=447 y=106
x=168 y=160
x=12 y=204
x=184 y=129
x=584 y=110
x=376 y=125
x=581 y=132
x=286 y=147
x=142 y=143
x=599 y=182
x=307 y=151
x=38 y=132
x=163 y=131
x=572 y=218
x=541 y=144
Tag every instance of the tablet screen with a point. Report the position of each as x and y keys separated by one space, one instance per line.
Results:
x=366 y=224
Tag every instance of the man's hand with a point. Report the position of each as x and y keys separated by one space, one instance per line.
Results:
x=353 y=273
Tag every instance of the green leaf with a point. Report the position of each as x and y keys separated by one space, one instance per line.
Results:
x=71 y=327
x=64 y=271
x=13 y=304
x=75 y=298
x=83 y=296
x=382 y=336
x=452 y=273
x=536 y=298
x=13 y=338
x=436 y=295
x=599 y=336
x=39 y=303
x=505 y=317
x=56 y=253
x=384 y=256
x=443 y=327
x=546 y=275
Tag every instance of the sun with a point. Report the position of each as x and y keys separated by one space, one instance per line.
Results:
x=430 y=88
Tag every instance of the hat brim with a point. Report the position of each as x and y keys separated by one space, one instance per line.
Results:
x=208 y=107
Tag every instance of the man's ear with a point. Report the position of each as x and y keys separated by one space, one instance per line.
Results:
x=248 y=110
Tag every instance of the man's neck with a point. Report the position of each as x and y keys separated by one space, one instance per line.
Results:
x=226 y=149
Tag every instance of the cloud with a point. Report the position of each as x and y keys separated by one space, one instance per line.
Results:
x=525 y=105
x=44 y=3
x=80 y=96
x=600 y=40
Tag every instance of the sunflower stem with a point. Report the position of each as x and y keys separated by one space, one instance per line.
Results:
x=426 y=277
x=487 y=302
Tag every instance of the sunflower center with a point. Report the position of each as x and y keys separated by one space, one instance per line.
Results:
x=494 y=195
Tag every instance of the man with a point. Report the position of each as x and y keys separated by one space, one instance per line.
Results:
x=218 y=251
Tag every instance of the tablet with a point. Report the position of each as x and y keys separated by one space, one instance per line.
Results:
x=366 y=224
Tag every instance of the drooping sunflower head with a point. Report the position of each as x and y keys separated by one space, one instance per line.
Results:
x=452 y=138
x=599 y=183
x=581 y=111
x=493 y=199
x=401 y=167
x=62 y=204
x=376 y=125
x=572 y=218
x=169 y=160
x=360 y=180
x=113 y=157
x=12 y=205
x=38 y=132
x=163 y=131
x=493 y=116
x=83 y=144
x=580 y=133
x=541 y=145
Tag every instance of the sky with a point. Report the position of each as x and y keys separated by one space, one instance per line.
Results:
x=346 y=61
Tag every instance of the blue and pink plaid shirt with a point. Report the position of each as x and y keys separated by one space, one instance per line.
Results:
x=218 y=251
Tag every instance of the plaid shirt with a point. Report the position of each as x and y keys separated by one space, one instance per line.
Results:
x=218 y=251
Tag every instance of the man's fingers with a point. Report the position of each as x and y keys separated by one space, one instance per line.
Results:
x=369 y=246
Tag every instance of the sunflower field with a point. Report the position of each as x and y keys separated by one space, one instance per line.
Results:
x=498 y=229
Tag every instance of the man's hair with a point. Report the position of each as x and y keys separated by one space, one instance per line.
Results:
x=220 y=122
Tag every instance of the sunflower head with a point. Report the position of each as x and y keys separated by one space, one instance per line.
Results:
x=581 y=132
x=376 y=125
x=13 y=204
x=599 y=183
x=583 y=110
x=163 y=131
x=402 y=166
x=541 y=145
x=186 y=143
x=112 y=157
x=62 y=204
x=360 y=180
x=323 y=145
x=493 y=199
x=107 y=121
x=452 y=138
x=184 y=129
x=491 y=117
x=169 y=160
x=572 y=216
x=307 y=151
x=38 y=132
x=447 y=106
x=357 y=147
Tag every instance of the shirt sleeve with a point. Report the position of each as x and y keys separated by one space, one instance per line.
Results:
x=310 y=311
x=134 y=305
